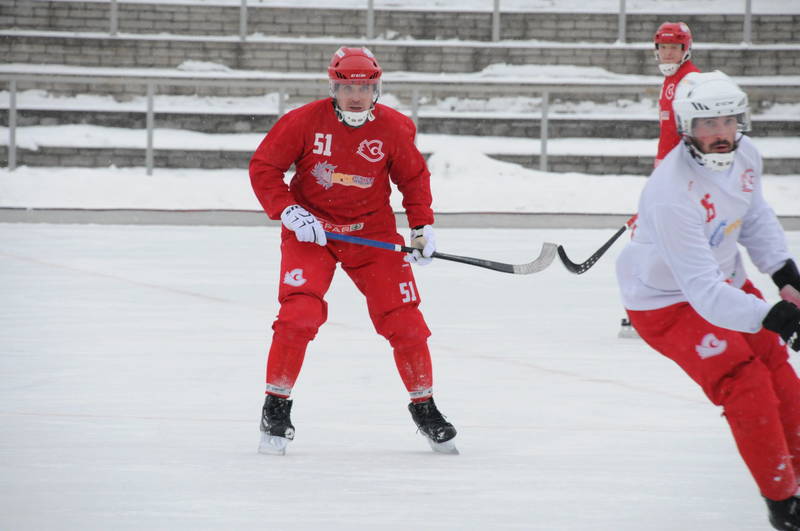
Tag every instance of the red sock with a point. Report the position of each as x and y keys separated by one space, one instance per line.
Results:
x=283 y=367
x=414 y=365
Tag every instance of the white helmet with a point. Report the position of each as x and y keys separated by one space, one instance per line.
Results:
x=705 y=95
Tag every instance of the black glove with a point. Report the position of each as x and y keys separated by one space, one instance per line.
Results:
x=784 y=319
x=788 y=274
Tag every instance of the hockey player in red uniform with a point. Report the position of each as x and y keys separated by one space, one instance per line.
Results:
x=673 y=50
x=346 y=149
x=684 y=285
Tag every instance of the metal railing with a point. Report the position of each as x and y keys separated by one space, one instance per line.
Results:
x=747 y=23
x=416 y=89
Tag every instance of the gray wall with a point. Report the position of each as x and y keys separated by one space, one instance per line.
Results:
x=224 y=20
x=303 y=56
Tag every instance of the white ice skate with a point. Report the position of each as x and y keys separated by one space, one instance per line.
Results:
x=272 y=444
x=276 y=426
x=447 y=447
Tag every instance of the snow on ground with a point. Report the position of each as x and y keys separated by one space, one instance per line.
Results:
x=132 y=374
x=461 y=181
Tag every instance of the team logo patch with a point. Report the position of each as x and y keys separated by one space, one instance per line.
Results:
x=331 y=227
x=711 y=346
x=746 y=179
x=294 y=277
x=325 y=175
x=722 y=230
x=711 y=211
x=371 y=150
x=718 y=234
x=669 y=92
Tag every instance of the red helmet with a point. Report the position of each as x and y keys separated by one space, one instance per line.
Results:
x=674 y=33
x=354 y=65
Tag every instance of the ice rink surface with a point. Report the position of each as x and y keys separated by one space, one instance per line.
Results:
x=132 y=370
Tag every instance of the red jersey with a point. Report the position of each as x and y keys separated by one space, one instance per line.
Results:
x=669 y=137
x=342 y=173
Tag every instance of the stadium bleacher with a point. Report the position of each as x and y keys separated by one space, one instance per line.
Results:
x=73 y=48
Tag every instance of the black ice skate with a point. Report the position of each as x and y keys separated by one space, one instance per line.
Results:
x=276 y=425
x=785 y=514
x=433 y=426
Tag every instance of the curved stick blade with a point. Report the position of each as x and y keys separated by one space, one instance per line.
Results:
x=545 y=258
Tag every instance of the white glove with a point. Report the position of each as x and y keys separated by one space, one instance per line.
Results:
x=424 y=241
x=306 y=227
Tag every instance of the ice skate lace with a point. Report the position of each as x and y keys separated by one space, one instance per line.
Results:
x=430 y=417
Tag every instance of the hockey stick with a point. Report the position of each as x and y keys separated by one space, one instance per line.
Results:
x=545 y=258
x=583 y=267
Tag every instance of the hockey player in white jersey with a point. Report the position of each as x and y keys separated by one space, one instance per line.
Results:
x=686 y=292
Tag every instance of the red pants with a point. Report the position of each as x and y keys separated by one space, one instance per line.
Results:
x=749 y=376
x=392 y=298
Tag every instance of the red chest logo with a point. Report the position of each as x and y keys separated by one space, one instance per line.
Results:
x=711 y=211
x=669 y=91
x=371 y=150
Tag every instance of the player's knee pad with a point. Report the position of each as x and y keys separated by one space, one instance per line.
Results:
x=403 y=327
x=299 y=318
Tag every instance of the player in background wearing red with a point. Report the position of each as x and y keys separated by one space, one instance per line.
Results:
x=673 y=50
x=346 y=149
x=684 y=285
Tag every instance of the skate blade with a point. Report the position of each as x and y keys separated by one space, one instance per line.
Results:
x=272 y=445
x=447 y=447
x=628 y=332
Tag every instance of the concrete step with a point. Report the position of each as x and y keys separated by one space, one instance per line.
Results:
x=279 y=54
x=187 y=18
x=567 y=86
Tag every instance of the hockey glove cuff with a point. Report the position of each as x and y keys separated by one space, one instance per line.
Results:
x=788 y=274
x=423 y=239
x=784 y=319
x=306 y=227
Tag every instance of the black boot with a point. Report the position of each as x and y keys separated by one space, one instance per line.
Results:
x=431 y=422
x=784 y=514
x=275 y=419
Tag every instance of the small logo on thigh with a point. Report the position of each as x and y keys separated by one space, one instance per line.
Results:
x=711 y=346
x=294 y=277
